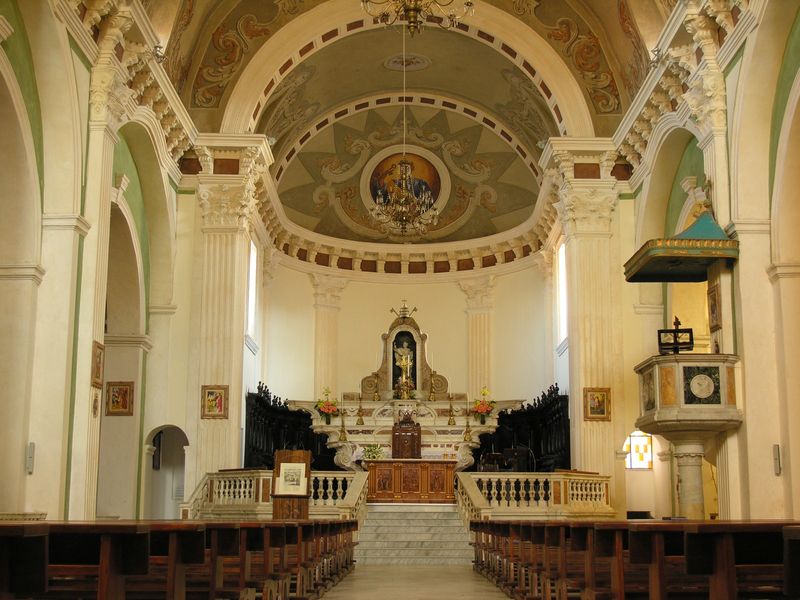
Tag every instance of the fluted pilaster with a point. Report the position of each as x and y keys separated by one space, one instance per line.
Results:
x=480 y=333
x=327 y=299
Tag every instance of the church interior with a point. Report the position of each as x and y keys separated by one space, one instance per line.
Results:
x=500 y=267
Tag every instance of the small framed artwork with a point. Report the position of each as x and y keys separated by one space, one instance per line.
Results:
x=714 y=308
x=98 y=358
x=292 y=480
x=596 y=404
x=214 y=402
x=119 y=398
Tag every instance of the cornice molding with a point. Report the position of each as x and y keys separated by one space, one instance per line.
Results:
x=66 y=222
x=33 y=273
x=142 y=342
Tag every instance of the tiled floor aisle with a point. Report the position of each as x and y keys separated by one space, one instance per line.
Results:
x=391 y=582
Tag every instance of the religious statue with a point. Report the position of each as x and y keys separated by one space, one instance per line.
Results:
x=404 y=361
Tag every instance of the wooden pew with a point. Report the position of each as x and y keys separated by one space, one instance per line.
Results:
x=94 y=557
x=23 y=558
x=174 y=546
x=740 y=558
x=791 y=561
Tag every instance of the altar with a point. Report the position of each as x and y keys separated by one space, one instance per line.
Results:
x=404 y=410
x=411 y=480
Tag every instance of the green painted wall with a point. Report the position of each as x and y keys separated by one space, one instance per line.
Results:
x=18 y=50
x=124 y=163
x=789 y=68
x=691 y=164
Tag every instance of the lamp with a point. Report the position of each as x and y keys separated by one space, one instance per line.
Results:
x=416 y=12
x=407 y=207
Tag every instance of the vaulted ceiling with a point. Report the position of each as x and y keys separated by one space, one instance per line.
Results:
x=336 y=95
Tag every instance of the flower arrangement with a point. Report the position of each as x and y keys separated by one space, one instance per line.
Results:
x=326 y=407
x=373 y=452
x=483 y=407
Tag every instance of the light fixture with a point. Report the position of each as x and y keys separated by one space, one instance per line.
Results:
x=408 y=206
x=416 y=12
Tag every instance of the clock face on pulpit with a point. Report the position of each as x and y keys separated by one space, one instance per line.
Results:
x=701 y=385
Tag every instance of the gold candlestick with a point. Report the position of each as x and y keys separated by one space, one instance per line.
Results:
x=360 y=413
x=342 y=431
x=467 y=429
x=452 y=419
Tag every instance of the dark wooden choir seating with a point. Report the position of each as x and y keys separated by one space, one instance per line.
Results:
x=151 y=560
x=560 y=559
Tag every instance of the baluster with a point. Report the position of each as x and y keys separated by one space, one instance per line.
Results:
x=546 y=487
x=327 y=486
x=536 y=487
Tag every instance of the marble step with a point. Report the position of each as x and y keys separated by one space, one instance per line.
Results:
x=412 y=561
x=410 y=536
x=404 y=523
x=414 y=535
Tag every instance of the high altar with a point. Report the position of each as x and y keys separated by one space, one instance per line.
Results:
x=405 y=406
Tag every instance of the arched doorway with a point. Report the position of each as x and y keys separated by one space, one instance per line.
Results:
x=164 y=472
x=20 y=275
x=125 y=346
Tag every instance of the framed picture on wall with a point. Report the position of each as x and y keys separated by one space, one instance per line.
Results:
x=119 y=398
x=596 y=404
x=714 y=308
x=214 y=402
x=98 y=359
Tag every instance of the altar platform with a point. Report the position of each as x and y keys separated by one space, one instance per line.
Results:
x=411 y=480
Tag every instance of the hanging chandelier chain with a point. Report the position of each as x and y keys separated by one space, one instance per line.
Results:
x=417 y=12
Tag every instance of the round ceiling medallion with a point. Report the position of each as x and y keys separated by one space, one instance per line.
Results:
x=385 y=176
x=413 y=62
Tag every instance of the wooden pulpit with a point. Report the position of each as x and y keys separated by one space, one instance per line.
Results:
x=406 y=439
x=291 y=484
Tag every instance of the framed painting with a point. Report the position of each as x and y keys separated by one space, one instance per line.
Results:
x=292 y=480
x=119 y=399
x=596 y=404
x=214 y=400
x=714 y=308
x=98 y=359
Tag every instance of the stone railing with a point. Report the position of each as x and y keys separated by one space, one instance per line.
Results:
x=532 y=495
x=243 y=494
x=234 y=494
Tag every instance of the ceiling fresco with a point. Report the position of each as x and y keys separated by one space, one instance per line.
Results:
x=488 y=82
x=599 y=41
x=484 y=187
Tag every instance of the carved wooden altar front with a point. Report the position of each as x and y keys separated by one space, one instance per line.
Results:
x=423 y=481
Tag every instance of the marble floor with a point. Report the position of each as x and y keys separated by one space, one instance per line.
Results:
x=402 y=582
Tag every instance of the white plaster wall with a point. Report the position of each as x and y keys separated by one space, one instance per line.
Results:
x=364 y=316
x=641 y=493
x=119 y=439
x=520 y=348
x=291 y=336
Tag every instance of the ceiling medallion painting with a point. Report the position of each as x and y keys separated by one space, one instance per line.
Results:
x=484 y=187
x=411 y=62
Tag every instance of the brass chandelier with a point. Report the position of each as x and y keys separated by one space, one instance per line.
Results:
x=408 y=207
x=416 y=12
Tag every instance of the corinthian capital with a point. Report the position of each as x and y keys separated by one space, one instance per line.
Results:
x=706 y=99
x=225 y=206
x=588 y=210
x=327 y=290
x=478 y=292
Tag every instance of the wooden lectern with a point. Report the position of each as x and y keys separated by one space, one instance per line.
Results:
x=291 y=484
x=406 y=436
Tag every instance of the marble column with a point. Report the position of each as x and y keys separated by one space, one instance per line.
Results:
x=480 y=307
x=689 y=457
x=327 y=298
x=586 y=210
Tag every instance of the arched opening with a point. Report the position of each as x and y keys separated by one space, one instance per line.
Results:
x=164 y=472
x=20 y=276
x=124 y=359
x=785 y=274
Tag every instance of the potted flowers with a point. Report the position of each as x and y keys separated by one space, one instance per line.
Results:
x=483 y=407
x=326 y=407
x=373 y=452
